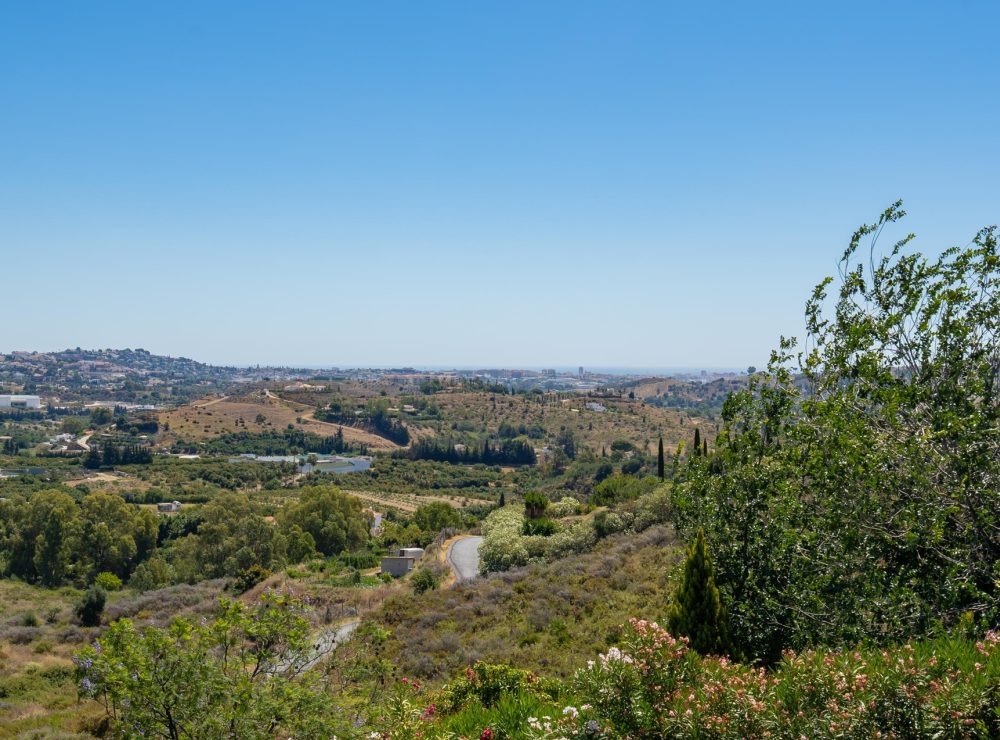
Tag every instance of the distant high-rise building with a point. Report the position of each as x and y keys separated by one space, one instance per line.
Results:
x=581 y=371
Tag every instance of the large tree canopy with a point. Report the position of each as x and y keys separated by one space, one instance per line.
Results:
x=335 y=520
x=854 y=492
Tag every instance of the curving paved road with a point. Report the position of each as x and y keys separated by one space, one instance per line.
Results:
x=463 y=556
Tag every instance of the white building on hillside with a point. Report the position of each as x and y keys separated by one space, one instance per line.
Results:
x=20 y=402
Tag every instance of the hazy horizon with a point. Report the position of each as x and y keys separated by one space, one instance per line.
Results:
x=437 y=367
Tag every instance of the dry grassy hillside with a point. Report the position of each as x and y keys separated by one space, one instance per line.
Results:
x=260 y=411
x=620 y=419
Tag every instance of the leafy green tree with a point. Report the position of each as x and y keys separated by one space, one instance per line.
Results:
x=152 y=574
x=567 y=442
x=335 y=520
x=300 y=545
x=852 y=491
x=115 y=535
x=697 y=611
x=241 y=675
x=108 y=581
x=92 y=460
x=437 y=515
x=44 y=534
x=100 y=416
x=233 y=536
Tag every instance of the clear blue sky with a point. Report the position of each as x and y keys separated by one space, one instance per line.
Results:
x=472 y=183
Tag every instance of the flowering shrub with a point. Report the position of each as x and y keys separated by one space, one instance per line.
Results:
x=653 y=686
x=506 y=546
x=566 y=506
x=486 y=684
x=405 y=716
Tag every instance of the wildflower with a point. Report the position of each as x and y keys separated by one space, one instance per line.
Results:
x=571 y=712
x=487 y=734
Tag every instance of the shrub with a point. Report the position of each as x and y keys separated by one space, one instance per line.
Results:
x=91 y=606
x=566 y=506
x=108 y=581
x=424 y=580
x=248 y=578
x=654 y=686
x=28 y=619
x=542 y=527
x=186 y=681
x=486 y=684
x=535 y=505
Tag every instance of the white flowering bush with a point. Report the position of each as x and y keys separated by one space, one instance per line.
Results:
x=503 y=546
x=578 y=537
x=566 y=506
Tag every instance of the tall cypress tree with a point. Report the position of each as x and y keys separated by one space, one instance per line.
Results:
x=697 y=611
x=659 y=461
x=697 y=441
x=92 y=460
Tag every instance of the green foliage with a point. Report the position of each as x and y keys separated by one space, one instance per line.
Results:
x=237 y=676
x=506 y=452
x=152 y=574
x=697 y=611
x=543 y=527
x=437 y=515
x=91 y=606
x=508 y=544
x=852 y=494
x=335 y=520
x=653 y=686
x=52 y=539
x=535 y=505
x=108 y=581
x=300 y=544
x=249 y=577
x=232 y=537
x=424 y=580
x=619 y=488
x=487 y=684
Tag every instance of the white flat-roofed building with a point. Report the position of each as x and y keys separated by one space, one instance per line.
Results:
x=20 y=402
